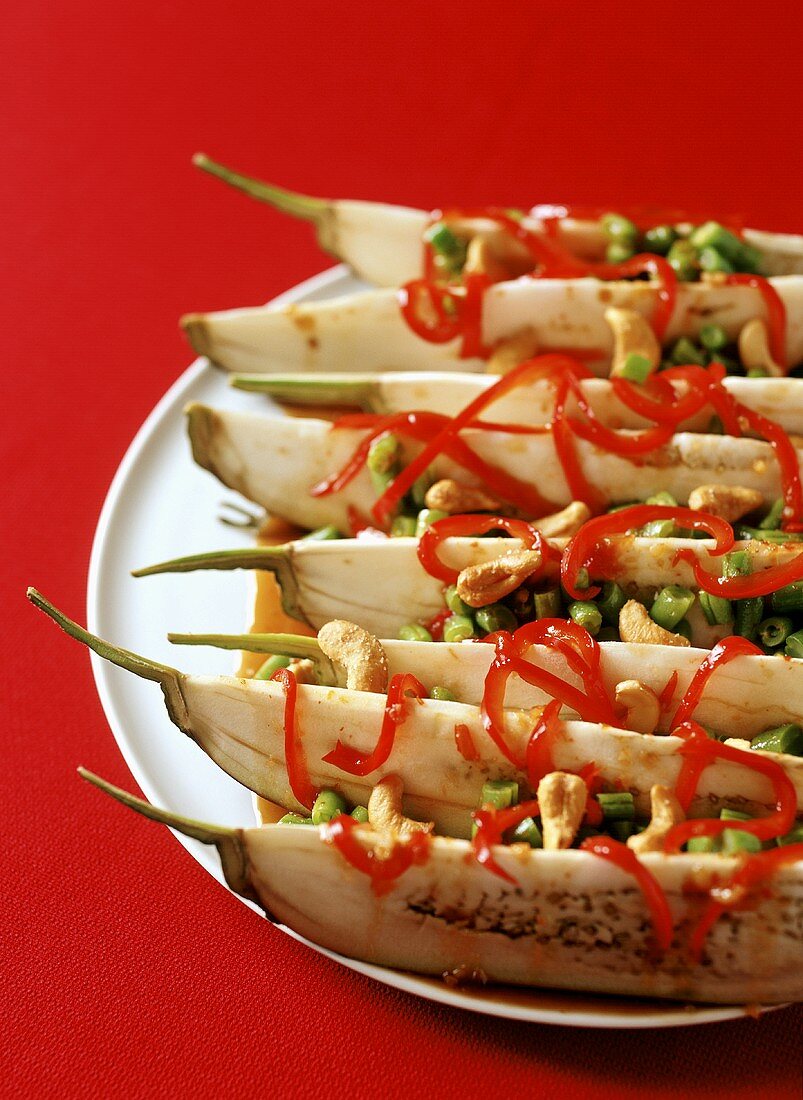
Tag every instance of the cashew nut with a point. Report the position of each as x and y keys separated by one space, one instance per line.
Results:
x=303 y=670
x=385 y=812
x=738 y=743
x=564 y=523
x=479 y=585
x=497 y=255
x=635 y=625
x=562 y=802
x=640 y=705
x=666 y=812
x=358 y=652
x=754 y=348
x=632 y=335
x=511 y=352
x=729 y=502
x=453 y=498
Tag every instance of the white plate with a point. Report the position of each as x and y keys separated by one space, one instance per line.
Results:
x=160 y=505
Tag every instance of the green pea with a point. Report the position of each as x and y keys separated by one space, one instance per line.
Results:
x=360 y=813
x=619 y=228
x=458 y=628
x=495 y=617
x=403 y=527
x=442 y=694
x=713 y=337
x=660 y=239
x=271 y=666
x=454 y=603
x=414 y=632
x=327 y=805
x=586 y=614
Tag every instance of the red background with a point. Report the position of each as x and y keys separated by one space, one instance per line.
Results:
x=130 y=971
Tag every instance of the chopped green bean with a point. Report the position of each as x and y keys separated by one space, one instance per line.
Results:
x=702 y=844
x=327 y=805
x=403 y=527
x=618 y=252
x=495 y=617
x=793 y=837
x=426 y=517
x=684 y=629
x=682 y=258
x=772 y=520
x=586 y=614
x=271 y=666
x=663 y=498
x=499 y=793
x=608 y=634
x=527 y=832
x=443 y=240
x=713 y=260
x=637 y=368
x=617 y=806
x=671 y=605
x=610 y=602
x=442 y=694
x=794 y=645
x=685 y=352
x=717 y=610
x=294 y=819
x=713 y=235
x=778 y=538
x=618 y=228
x=788 y=739
x=457 y=628
x=713 y=337
x=414 y=632
x=774 y=631
x=748 y=613
x=621 y=830
x=547 y=605
x=660 y=529
x=738 y=840
x=736 y=564
x=788 y=598
x=660 y=239
x=757 y=372
x=419 y=489
x=454 y=603
x=360 y=814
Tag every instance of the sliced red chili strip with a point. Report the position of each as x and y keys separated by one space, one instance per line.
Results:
x=621 y=856
x=491 y=826
x=475 y=524
x=339 y=832
x=776 y=312
x=294 y=758
x=741 y=889
x=465 y=742
x=724 y=651
x=579 y=553
x=743 y=587
x=356 y=762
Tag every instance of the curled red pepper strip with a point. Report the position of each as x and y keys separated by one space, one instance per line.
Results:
x=491 y=826
x=358 y=763
x=538 y=756
x=744 y=888
x=622 y=856
x=563 y=439
x=476 y=524
x=295 y=761
x=539 y=367
x=339 y=832
x=672 y=407
x=743 y=587
x=580 y=552
x=668 y=690
x=698 y=752
x=421 y=297
x=582 y=654
x=776 y=312
x=723 y=652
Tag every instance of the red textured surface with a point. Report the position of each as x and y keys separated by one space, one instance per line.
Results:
x=128 y=971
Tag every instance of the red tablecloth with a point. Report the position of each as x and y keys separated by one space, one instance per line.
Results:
x=128 y=970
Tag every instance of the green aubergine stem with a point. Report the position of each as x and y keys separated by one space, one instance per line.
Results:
x=311 y=390
x=169 y=679
x=271 y=559
x=289 y=202
x=229 y=842
x=288 y=645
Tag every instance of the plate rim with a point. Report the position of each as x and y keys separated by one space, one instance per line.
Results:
x=490 y=1002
